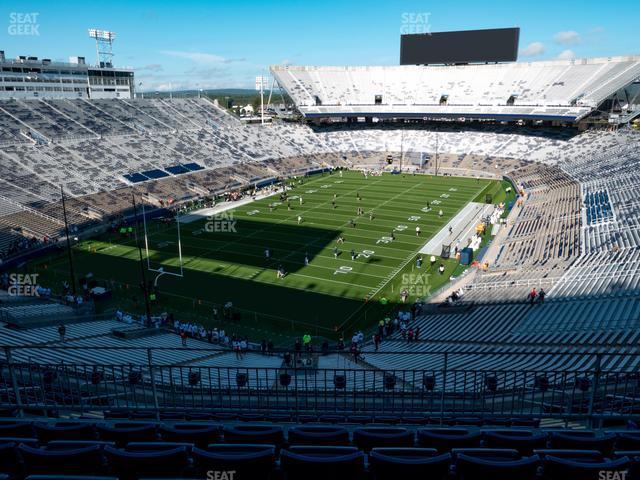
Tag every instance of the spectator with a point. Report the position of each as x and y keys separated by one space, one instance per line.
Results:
x=533 y=295
x=541 y=295
x=62 y=330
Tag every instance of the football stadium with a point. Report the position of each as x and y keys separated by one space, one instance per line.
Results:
x=418 y=266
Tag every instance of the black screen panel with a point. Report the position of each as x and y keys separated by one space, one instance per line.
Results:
x=469 y=46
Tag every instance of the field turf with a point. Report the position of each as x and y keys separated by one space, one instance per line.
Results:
x=224 y=257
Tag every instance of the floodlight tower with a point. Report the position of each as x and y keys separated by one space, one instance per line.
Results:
x=261 y=81
x=104 y=46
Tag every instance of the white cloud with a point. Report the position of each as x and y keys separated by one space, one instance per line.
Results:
x=153 y=67
x=566 y=55
x=533 y=49
x=568 y=37
x=200 y=57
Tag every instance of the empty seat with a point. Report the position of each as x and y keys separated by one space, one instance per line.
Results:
x=34 y=442
x=556 y=468
x=525 y=422
x=583 y=440
x=628 y=441
x=86 y=460
x=251 y=417
x=117 y=414
x=308 y=462
x=468 y=421
x=17 y=429
x=362 y=419
x=396 y=463
x=496 y=468
x=71 y=444
x=163 y=463
x=367 y=438
x=199 y=434
x=10 y=461
x=525 y=441
x=122 y=433
x=444 y=439
x=415 y=419
x=156 y=446
x=487 y=453
x=65 y=431
x=67 y=477
x=249 y=461
x=269 y=434
x=331 y=418
x=318 y=435
x=581 y=455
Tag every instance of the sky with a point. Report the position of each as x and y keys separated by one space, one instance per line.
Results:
x=226 y=44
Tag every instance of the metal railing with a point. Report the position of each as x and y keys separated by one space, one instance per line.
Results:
x=589 y=394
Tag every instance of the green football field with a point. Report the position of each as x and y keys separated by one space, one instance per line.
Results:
x=224 y=256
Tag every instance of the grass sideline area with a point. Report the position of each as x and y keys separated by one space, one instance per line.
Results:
x=224 y=256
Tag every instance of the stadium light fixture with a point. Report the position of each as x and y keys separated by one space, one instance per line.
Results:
x=104 y=46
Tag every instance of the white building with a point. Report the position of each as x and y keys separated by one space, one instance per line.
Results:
x=28 y=77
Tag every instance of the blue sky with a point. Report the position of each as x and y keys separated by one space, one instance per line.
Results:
x=216 y=44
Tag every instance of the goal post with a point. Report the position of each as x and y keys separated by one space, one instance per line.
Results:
x=162 y=270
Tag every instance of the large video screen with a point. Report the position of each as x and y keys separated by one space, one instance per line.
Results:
x=469 y=46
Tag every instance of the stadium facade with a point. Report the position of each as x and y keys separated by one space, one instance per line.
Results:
x=27 y=77
x=561 y=91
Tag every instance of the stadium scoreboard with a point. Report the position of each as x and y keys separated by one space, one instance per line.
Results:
x=469 y=46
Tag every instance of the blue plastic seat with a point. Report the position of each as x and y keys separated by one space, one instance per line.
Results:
x=415 y=420
x=367 y=438
x=86 y=460
x=200 y=434
x=72 y=444
x=10 y=461
x=481 y=468
x=525 y=441
x=268 y=434
x=17 y=429
x=67 y=477
x=123 y=433
x=487 y=453
x=580 y=455
x=331 y=418
x=34 y=442
x=117 y=414
x=65 y=431
x=583 y=440
x=525 y=422
x=556 y=468
x=397 y=463
x=468 y=422
x=628 y=441
x=170 y=463
x=444 y=439
x=324 y=462
x=156 y=446
x=249 y=461
x=318 y=435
